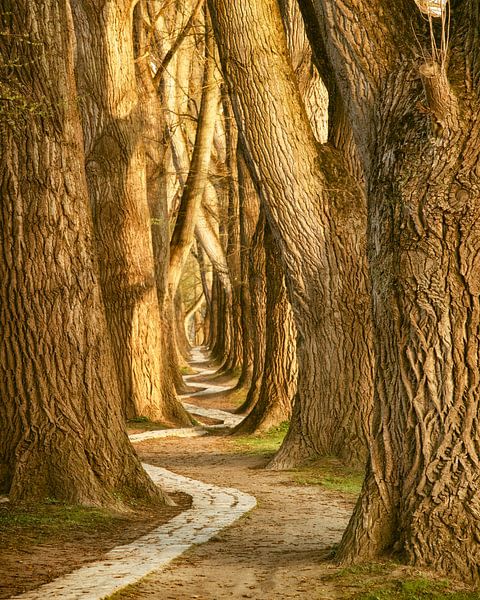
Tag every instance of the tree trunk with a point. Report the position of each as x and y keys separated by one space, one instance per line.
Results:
x=117 y=180
x=317 y=215
x=183 y=233
x=63 y=435
x=418 y=130
x=279 y=380
x=233 y=360
x=248 y=213
x=257 y=282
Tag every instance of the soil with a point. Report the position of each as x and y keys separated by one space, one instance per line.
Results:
x=41 y=543
x=279 y=550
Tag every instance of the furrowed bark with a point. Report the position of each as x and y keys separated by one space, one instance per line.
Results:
x=233 y=360
x=249 y=212
x=422 y=164
x=63 y=435
x=257 y=283
x=274 y=405
x=316 y=215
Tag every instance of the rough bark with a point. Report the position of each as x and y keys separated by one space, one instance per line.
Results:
x=279 y=381
x=183 y=233
x=317 y=215
x=233 y=322
x=418 y=129
x=63 y=435
x=117 y=181
x=248 y=214
x=257 y=284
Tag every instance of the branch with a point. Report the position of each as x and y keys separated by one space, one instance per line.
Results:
x=178 y=42
x=441 y=101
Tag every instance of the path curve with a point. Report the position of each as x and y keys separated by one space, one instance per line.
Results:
x=213 y=508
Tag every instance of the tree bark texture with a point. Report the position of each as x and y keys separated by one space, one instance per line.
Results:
x=234 y=358
x=248 y=214
x=63 y=435
x=258 y=299
x=418 y=129
x=117 y=180
x=183 y=233
x=279 y=381
x=316 y=215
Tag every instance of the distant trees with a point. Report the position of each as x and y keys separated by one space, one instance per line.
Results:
x=116 y=168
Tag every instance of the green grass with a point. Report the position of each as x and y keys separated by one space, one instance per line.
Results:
x=262 y=443
x=186 y=370
x=391 y=581
x=49 y=519
x=144 y=423
x=417 y=589
x=237 y=397
x=331 y=474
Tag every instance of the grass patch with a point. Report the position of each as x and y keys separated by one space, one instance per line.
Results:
x=264 y=443
x=391 y=581
x=417 y=589
x=48 y=520
x=331 y=474
x=145 y=424
x=186 y=370
x=237 y=397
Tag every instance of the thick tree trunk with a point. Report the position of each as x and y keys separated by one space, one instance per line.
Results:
x=63 y=435
x=117 y=180
x=248 y=213
x=234 y=357
x=279 y=380
x=318 y=217
x=257 y=283
x=419 y=140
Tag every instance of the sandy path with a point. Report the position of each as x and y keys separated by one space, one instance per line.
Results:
x=274 y=552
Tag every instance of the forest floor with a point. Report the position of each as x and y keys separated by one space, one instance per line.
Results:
x=280 y=550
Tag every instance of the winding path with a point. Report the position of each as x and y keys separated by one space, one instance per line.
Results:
x=213 y=508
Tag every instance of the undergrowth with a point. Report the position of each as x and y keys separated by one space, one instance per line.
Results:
x=47 y=520
x=141 y=422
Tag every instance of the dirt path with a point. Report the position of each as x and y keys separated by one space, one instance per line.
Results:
x=276 y=551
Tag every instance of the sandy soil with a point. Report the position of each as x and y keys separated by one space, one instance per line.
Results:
x=277 y=551
x=37 y=547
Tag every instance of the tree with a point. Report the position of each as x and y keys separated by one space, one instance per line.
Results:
x=116 y=169
x=317 y=215
x=279 y=380
x=63 y=435
x=415 y=113
x=258 y=299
